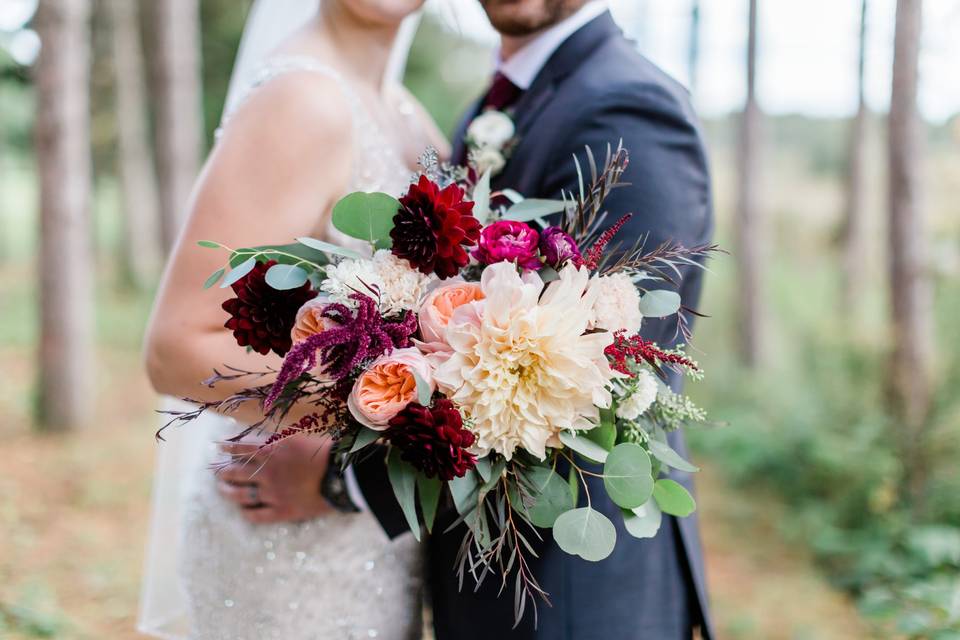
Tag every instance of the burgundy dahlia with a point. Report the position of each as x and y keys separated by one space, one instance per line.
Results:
x=558 y=247
x=433 y=439
x=261 y=317
x=432 y=228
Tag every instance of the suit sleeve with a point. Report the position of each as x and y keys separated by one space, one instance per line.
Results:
x=668 y=179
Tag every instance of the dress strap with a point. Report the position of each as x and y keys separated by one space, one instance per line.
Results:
x=282 y=65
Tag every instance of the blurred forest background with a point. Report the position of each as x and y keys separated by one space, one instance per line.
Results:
x=830 y=497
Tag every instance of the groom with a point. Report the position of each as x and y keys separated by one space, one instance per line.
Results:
x=569 y=79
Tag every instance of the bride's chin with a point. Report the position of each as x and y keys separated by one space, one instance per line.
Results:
x=382 y=12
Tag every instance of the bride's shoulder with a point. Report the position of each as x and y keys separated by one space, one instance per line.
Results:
x=290 y=106
x=425 y=123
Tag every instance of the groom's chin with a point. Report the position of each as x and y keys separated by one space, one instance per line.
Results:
x=519 y=18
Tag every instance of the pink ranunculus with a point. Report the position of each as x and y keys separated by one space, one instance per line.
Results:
x=388 y=386
x=439 y=305
x=509 y=241
x=558 y=247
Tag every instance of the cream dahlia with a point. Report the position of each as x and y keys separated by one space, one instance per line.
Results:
x=522 y=368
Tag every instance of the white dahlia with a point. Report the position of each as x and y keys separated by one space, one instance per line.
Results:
x=400 y=287
x=521 y=367
x=617 y=304
x=642 y=397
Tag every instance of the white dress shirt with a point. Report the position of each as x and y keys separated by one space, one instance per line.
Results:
x=523 y=66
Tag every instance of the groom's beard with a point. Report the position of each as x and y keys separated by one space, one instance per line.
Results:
x=518 y=18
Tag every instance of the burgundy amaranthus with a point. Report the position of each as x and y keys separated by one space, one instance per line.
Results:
x=635 y=347
x=595 y=253
x=261 y=317
x=361 y=335
x=432 y=228
x=433 y=439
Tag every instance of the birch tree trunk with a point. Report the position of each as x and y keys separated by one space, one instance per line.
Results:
x=179 y=120
x=749 y=223
x=855 y=223
x=693 y=50
x=911 y=291
x=63 y=157
x=140 y=250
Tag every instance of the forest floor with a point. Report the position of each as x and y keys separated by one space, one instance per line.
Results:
x=74 y=512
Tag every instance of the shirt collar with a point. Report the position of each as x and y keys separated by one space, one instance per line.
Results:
x=523 y=67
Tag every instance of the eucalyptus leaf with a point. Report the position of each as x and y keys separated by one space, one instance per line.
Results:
x=286 y=276
x=665 y=454
x=511 y=195
x=643 y=521
x=424 y=392
x=533 y=208
x=364 y=437
x=481 y=198
x=585 y=532
x=627 y=475
x=207 y=244
x=238 y=272
x=605 y=433
x=549 y=274
x=550 y=496
x=366 y=216
x=586 y=448
x=659 y=303
x=673 y=498
x=429 y=491
x=403 y=479
x=326 y=247
x=465 y=491
x=294 y=253
x=484 y=468
x=214 y=278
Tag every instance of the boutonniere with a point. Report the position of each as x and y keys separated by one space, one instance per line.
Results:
x=490 y=139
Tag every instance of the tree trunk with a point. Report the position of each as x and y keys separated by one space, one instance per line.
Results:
x=63 y=156
x=179 y=120
x=911 y=291
x=140 y=246
x=855 y=224
x=749 y=222
x=693 y=52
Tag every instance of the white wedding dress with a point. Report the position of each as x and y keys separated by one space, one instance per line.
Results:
x=333 y=577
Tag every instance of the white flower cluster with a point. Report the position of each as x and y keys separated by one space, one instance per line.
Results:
x=642 y=397
x=618 y=304
x=400 y=287
x=488 y=136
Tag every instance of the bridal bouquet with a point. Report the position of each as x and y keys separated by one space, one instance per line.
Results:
x=496 y=358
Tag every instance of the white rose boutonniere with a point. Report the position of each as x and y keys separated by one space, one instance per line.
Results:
x=490 y=137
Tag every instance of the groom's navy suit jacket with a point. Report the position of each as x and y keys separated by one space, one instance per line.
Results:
x=595 y=90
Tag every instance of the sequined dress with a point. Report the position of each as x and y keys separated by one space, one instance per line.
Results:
x=333 y=577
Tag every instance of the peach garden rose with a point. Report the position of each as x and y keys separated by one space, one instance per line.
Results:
x=439 y=305
x=387 y=387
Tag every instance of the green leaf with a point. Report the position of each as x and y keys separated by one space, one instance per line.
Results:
x=286 y=276
x=586 y=533
x=429 y=491
x=483 y=467
x=424 y=393
x=214 y=278
x=294 y=253
x=403 y=479
x=662 y=452
x=511 y=195
x=573 y=479
x=587 y=448
x=207 y=244
x=366 y=216
x=673 y=498
x=326 y=247
x=627 y=475
x=550 y=496
x=481 y=198
x=465 y=491
x=659 y=303
x=238 y=272
x=548 y=274
x=364 y=437
x=533 y=208
x=644 y=521
x=604 y=434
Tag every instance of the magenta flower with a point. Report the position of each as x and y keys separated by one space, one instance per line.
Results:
x=508 y=241
x=558 y=247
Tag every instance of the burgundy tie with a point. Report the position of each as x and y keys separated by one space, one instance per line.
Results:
x=502 y=94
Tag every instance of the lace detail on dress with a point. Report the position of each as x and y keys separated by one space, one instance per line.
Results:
x=333 y=577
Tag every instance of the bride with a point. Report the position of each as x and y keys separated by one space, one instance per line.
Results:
x=315 y=111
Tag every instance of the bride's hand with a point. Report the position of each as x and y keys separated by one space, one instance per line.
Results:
x=280 y=483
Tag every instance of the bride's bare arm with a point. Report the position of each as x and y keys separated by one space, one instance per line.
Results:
x=282 y=161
